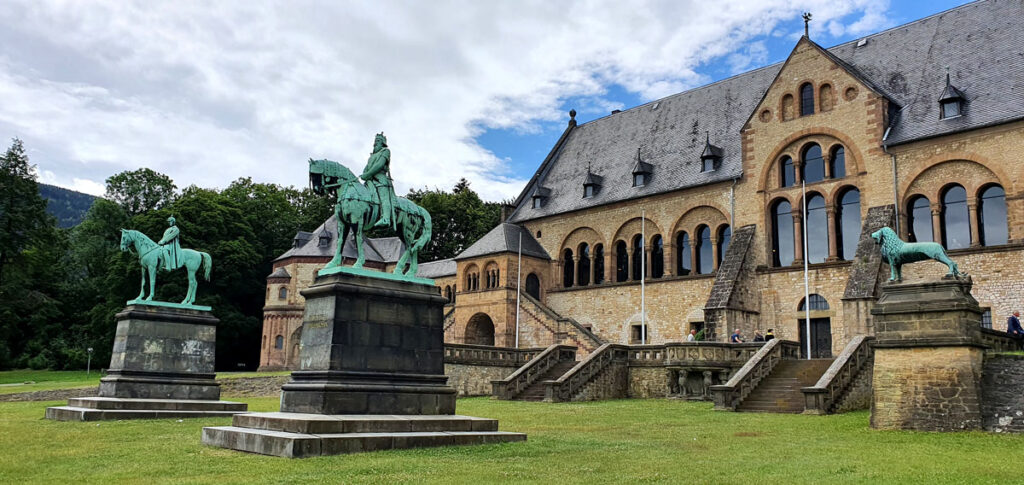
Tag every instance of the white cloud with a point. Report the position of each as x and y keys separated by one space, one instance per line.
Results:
x=209 y=92
x=87 y=186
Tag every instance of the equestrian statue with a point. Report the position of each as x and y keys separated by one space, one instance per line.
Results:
x=372 y=205
x=897 y=253
x=165 y=255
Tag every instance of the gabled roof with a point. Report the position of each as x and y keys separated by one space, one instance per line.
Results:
x=981 y=42
x=593 y=179
x=505 y=238
x=950 y=92
x=279 y=273
x=436 y=269
x=380 y=250
x=710 y=150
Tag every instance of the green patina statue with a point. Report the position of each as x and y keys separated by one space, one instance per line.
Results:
x=897 y=253
x=372 y=205
x=167 y=255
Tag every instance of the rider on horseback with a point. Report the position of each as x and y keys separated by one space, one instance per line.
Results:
x=377 y=176
x=171 y=245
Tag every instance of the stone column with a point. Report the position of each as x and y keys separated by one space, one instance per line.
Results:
x=693 y=257
x=798 y=238
x=833 y=244
x=575 y=269
x=937 y=222
x=972 y=209
x=928 y=357
x=647 y=260
x=714 y=253
x=828 y=168
x=669 y=255
x=629 y=263
x=609 y=268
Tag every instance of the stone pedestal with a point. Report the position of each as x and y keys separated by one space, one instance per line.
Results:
x=162 y=365
x=371 y=377
x=928 y=357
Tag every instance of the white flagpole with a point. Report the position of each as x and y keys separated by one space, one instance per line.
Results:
x=807 y=291
x=519 y=279
x=643 y=276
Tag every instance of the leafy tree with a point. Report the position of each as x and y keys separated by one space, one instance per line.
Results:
x=141 y=190
x=22 y=210
x=459 y=218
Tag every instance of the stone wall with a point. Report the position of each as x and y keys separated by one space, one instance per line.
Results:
x=1002 y=390
x=858 y=396
x=475 y=380
x=947 y=381
x=611 y=383
x=648 y=382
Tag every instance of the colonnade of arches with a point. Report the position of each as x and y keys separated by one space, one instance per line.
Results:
x=833 y=226
x=957 y=219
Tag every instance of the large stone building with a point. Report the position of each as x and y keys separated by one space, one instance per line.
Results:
x=918 y=127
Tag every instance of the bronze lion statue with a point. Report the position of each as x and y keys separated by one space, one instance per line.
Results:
x=897 y=253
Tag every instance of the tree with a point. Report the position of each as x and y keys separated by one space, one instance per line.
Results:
x=22 y=210
x=141 y=190
x=459 y=219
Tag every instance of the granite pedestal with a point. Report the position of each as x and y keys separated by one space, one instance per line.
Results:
x=162 y=365
x=371 y=377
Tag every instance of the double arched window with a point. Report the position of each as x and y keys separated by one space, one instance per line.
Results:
x=813 y=166
x=955 y=218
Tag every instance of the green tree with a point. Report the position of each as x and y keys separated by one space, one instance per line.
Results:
x=459 y=218
x=141 y=190
x=22 y=210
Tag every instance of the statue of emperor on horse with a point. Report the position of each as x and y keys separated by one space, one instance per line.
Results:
x=372 y=205
x=166 y=255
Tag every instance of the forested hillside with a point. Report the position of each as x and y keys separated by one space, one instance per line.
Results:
x=68 y=206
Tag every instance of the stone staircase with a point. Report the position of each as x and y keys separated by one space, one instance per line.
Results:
x=535 y=392
x=780 y=391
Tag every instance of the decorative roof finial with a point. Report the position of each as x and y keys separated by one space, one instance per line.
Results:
x=807 y=20
x=572 y=114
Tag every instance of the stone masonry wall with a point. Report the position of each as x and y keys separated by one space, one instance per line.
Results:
x=475 y=380
x=648 y=382
x=1002 y=391
x=611 y=383
x=947 y=381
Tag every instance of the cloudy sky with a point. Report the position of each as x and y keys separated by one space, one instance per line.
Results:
x=208 y=92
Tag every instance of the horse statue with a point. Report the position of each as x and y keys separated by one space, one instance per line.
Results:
x=358 y=208
x=897 y=253
x=153 y=257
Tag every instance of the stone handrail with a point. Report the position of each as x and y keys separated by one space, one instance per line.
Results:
x=564 y=388
x=526 y=375
x=825 y=395
x=449 y=319
x=646 y=354
x=729 y=395
x=487 y=355
x=1000 y=341
x=702 y=353
x=591 y=339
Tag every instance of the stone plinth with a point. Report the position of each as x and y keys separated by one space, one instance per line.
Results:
x=928 y=357
x=162 y=365
x=371 y=377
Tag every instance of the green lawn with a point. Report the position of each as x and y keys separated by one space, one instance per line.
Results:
x=604 y=442
x=44 y=380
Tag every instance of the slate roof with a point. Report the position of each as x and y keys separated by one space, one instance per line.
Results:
x=382 y=250
x=279 y=273
x=436 y=269
x=505 y=238
x=982 y=43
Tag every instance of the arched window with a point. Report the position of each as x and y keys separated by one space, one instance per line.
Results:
x=956 y=226
x=282 y=293
x=639 y=265
x=812 y=164
x=787 y=107
x=992 y=216
x=787 y=175
x=533 y=286
x=919 y=219
x=724 y=235
x=818 y=302
x=583 y=268
x=825 y=97
x=849 y=224
x=455 y=292
x=806 y=99
x=817 y=229
x=567 y=268
x=705 y=256
x=683 y=253
x=448 y=293
x=837 y=162
x=657 y=257
x=782 y=233
x=598 y=264
x=621 y=262
x=279 y=342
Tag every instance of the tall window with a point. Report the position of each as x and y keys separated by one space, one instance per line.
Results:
x=279 y=342
x=657 y=257
x=705 y=255
x=282 y=294
x=806 y=99
x=567 y=268
x=837 y=162
x=787 y=175
x=992 y=216
x=583 y=270
x=782 y=234
x=638 y=257
x=598 y=264
x=817 y=229
x=621 y=262
x=813 y=165
x=683 y=253
x=724 y=235
x=919 y=219
x=849 y=224
x=956 y=226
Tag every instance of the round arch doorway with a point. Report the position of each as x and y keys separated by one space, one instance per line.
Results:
x=480 y=330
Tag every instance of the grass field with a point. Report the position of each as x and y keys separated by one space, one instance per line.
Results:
x=627 y=441
x=45 y=380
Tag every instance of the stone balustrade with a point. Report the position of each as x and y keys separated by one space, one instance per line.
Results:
x=840 y=378
x=999 y=341
x=526 y=375
x=610 y=359
x=729 y=395
x=487 y=355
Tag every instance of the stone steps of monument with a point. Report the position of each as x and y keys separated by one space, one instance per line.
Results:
x=115 y=403
x=780 y=391
x=72 y=413
x=535 y=392
x=279 y=434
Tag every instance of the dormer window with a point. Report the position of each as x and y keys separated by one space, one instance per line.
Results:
x=639 y=179
x=641 y=171
x=951 y=103
x=710 y=157
x=591 y=184
x=325 y=239
x=538 y=202
x=540 y=196
x=588 y=191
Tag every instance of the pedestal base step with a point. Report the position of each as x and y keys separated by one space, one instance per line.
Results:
x=111 y=408
x=294 y=435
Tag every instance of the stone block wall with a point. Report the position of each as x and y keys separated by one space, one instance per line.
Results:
x=946 y=383
x=1002 y=391
x=858 y=396
x=611 y=383
x=648 y=382
x=475 y=380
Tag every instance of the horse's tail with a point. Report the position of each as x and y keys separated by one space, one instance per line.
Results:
x=207 y=264
x=425 y=233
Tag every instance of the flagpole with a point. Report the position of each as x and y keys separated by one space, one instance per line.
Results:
x=643 y=276
x=807 y=291
x=519 y=279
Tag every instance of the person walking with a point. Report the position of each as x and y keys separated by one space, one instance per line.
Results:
x=758 y=337
x=692 y=336
x=1013 y=325
x=736 y=338
x=769 y=335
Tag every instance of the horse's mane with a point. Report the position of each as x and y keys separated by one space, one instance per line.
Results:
x=891 y=244
x=140 y=238
x=335 y=169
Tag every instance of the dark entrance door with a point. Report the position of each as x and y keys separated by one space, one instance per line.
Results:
x=821 y=338
x=533 y=286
